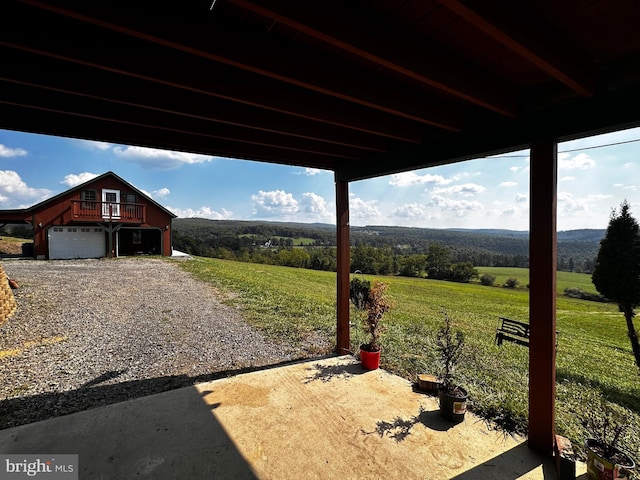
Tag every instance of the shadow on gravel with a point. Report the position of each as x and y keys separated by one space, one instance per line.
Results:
x=22 y=410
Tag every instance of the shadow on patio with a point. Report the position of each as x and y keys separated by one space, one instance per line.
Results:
x=324 y=418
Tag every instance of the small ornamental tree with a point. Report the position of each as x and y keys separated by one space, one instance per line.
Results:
x=450 y=345
x=373 y=301
x=617 y=271
x=377 y=305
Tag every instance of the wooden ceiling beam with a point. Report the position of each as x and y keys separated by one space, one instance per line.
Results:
x=261 y=56
x=50 y=122
x=28 y=98
x=603 y=113
x=531 y=44
x=215 y=112
x=273 y=98
x=394 y=51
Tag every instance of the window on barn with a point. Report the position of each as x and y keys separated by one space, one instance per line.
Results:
x=89 y=198
x=129 y=198
x=130 y=210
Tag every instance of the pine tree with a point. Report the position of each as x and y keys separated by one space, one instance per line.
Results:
x=617 y=271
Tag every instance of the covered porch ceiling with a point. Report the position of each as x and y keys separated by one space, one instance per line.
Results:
x=363 y=88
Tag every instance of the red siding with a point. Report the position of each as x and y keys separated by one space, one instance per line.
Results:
x=59 y=212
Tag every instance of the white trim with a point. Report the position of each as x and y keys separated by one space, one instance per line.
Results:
x=115 y=210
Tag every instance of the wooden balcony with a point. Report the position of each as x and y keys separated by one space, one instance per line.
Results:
x=108 y=211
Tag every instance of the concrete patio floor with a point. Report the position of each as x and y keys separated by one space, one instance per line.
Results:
x=321 y=419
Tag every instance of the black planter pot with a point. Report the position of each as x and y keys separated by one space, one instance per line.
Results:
x=453 y=403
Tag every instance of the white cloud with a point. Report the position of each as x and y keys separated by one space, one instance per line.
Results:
x=160 y=193
x=601 y=196
x=95 y=145
x=160 y=159
x=568 y=205
x=567 y=178
x=274 y=203
x=358 y=208
x=280 y=205
x=509 y=212
x=459 y=207
x=202 y=212
x=564 y=196
x=522 y=197
x=72 y=179
x=15 y=193
x=582 y=161
x=314 y=208
x=309 y=172
x=508 y=184
x=410 y=211
x=459 y=176
x=12 y=152
x=466 y=190
x=406 y=179
x=514 y=169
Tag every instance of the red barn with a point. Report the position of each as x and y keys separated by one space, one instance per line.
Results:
x=103 y=217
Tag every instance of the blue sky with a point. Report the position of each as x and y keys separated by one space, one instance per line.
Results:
x=482 y=193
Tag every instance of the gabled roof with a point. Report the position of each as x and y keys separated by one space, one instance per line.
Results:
x=83 y=186
x=363 y=88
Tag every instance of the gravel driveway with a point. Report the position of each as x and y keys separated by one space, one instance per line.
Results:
x=93 y=332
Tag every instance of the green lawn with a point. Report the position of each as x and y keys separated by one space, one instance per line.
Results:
x=594 y=353
x=563 y=280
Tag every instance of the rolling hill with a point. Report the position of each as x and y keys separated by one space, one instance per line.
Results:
x=576 y=248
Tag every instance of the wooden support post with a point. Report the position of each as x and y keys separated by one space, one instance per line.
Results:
x=343 y=257
x=542 y=295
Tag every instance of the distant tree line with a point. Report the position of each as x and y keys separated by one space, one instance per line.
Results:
x=414 y=252
x=436 y=263
x=17 y=231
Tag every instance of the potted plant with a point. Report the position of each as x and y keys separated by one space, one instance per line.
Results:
x=606 y=427
x=452 y=397
x=373 y=302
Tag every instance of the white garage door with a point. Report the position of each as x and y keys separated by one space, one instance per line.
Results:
x=76 y=242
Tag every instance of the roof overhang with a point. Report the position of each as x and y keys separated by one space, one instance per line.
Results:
x=363 y=88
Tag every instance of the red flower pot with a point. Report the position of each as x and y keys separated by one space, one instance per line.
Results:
x=369 y=360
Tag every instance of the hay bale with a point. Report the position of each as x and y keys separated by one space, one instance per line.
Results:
x=8 y=305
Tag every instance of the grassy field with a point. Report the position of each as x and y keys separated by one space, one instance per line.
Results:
x=594 y=354
x=563 y=280
x=297 y=241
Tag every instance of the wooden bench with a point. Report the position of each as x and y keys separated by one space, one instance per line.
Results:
x=513 y=331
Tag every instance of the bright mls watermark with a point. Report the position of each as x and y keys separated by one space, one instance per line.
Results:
x=45 y=466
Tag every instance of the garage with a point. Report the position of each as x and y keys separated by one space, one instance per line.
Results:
x=139 y=241
x=76 y=242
